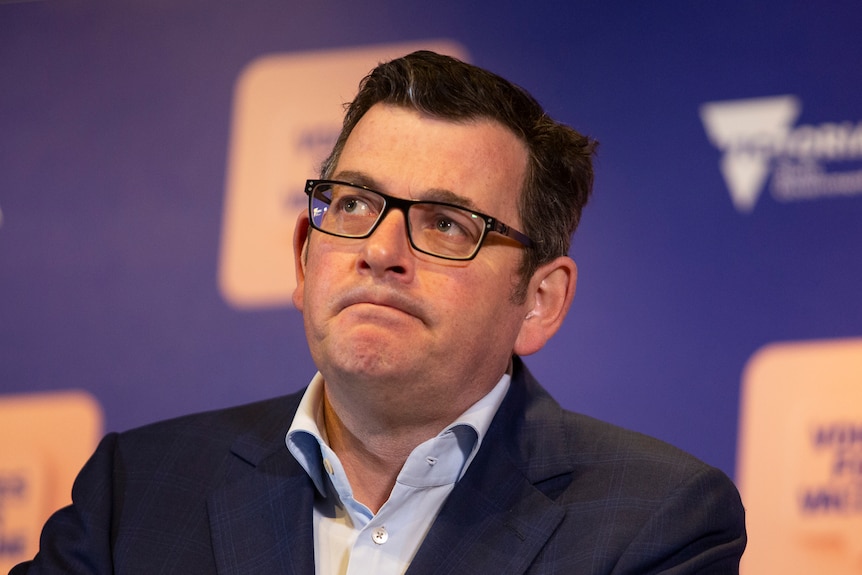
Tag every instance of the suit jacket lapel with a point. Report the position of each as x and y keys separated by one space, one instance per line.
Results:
x=261 y=518
x=496 y=520
x=498 y=517
x=488 y=527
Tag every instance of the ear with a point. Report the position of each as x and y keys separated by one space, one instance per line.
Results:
x=300 y=249
x=549 y=296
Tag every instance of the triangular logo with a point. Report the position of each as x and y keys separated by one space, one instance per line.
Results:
x=748 y=132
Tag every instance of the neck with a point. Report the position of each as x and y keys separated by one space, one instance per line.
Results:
x=372 y=455
x=374 y=437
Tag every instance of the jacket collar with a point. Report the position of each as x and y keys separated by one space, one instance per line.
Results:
x=261 y=517
x=501 y=513
x=496 y=520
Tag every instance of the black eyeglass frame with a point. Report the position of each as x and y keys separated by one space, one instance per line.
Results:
x=492 y=224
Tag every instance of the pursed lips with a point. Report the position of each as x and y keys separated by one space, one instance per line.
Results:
x=382 y=298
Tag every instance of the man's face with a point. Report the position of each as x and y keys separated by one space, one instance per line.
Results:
x=386 y=319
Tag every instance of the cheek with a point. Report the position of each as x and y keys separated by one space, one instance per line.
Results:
x=479 y=297
x=496 y=298
x=317 y=286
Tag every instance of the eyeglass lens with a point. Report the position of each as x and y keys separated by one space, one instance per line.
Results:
x=436 y=228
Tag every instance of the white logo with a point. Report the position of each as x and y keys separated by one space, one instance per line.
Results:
x=757 y=138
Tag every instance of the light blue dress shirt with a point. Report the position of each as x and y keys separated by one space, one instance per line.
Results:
x=348 y=538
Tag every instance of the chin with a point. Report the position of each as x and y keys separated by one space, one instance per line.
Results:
x=370 y=364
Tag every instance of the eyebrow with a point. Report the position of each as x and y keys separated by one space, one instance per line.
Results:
x=429 y=195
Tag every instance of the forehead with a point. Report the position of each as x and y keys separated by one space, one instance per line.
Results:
x=408 y=154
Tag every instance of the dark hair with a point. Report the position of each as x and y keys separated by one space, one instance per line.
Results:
x=559 y=175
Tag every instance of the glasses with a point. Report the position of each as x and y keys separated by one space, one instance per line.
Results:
x=439 y=229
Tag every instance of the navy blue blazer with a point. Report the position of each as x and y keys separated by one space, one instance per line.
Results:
x=550 y=492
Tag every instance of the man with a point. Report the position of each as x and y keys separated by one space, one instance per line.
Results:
x=433 y=255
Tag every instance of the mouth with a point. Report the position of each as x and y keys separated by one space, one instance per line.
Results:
x=361 y=299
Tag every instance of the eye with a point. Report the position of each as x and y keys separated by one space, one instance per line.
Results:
x=352 y=202
x=448 y=223
x=350 y=205
x=449 y=227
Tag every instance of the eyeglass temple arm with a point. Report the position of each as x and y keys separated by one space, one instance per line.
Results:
x=509 y=232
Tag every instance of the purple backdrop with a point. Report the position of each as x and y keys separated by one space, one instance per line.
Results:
x=114 y=132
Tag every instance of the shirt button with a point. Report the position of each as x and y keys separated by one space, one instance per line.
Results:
x=328 y=466
x=380 y=536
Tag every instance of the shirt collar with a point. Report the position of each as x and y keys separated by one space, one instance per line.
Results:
x=306 y=438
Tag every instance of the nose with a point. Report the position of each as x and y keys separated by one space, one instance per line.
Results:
x=387 y=252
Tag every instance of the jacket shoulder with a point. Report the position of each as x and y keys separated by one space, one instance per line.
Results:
x=205 y=439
